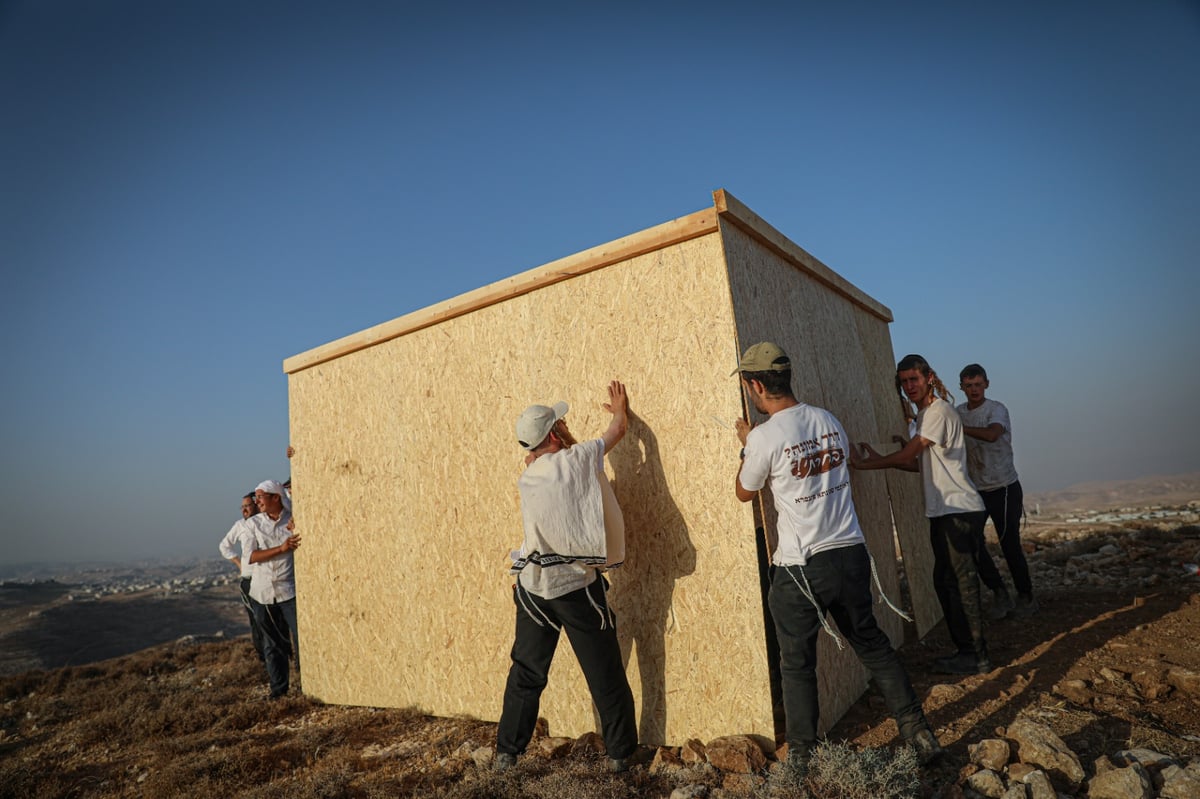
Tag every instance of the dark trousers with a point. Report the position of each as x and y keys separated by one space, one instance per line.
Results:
x=593 y=636
x=1004 y=507
x=840 y=581
x=955 y=539
x=280 y=640
x=256 y=635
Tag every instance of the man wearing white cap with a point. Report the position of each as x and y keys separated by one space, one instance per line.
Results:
x=558 y=584
x=235 y=547
x=273 y=584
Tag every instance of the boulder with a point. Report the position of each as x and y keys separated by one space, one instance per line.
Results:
x=739 y=754
x=1039 y=746
x=1181 y=784
x=692 y=752
x=554 y=748
x=590 y=743
x=991 y=753
x=1184 y=680
x=986 y=783
x=1040 y=786
x=1131 y=782
x=666 y=761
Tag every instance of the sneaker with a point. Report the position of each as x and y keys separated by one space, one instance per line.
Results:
x=504 y=761
x=1002 y=605
x=926 y=745
x=962 y=663
x=1026 y=605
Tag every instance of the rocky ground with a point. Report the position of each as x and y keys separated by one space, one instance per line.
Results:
x=1096 y=695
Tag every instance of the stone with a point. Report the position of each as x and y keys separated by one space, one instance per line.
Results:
x=1184 y=680
x=692 y=752
x=554 y=748
x=986 y=783
x=1016 y=791
x=1103 y=764
x=1039 y=746
x=991 y=753
x=1182 y=784
x=1074 y=690
x=482 y=757
x=666 y=761
x=1018 y=771
x=739 y=754
x=1131 y=782
x=590 y=743
x=1040 y=786
x=942 y=694
x=1147 y=757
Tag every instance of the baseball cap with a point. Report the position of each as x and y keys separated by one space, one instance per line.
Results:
x=763 y=357
x=534 y=423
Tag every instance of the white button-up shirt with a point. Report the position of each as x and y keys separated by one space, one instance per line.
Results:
x=237 y=544
x=273 y=580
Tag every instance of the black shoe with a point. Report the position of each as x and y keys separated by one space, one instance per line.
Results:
x=1002 y=605
x=504 y=761
x=795 y=767
x=963 y=663
x=618 y=764
x=926 y=745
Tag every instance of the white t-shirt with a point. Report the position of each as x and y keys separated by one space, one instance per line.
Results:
x=802 y=450
x=564 y=510
x=948 y=488
x=990 y=463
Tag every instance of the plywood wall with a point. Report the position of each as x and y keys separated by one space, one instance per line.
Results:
x=406 y=466
x=405 y=473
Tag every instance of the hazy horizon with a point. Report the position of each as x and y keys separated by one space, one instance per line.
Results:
x=195 y=191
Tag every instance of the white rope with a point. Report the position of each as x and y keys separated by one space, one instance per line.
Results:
x=529 y=613
x=882 y=595
x=807 y=591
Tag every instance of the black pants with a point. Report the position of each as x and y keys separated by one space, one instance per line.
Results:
x=256 y=634
x=840 y=581
x=955 y=540
x=593 y=636
x=280 y=641
x=1004 y=507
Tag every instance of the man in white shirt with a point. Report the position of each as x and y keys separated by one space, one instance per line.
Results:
x=988 y=434
x=235 y=549
x=558 y=585
x=273 y=583
x=821 y=563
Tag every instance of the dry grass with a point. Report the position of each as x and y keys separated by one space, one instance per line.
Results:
x=191 y=719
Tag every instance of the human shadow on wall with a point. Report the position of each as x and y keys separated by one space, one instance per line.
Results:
x=658 y=551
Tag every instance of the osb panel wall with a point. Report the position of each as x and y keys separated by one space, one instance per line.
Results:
x=819 y=329
x=406 y=470
x=903 y=488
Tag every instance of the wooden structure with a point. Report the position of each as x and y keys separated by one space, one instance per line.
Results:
x=406 y=467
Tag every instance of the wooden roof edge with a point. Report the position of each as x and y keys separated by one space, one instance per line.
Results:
x=729 y=207
x=675 y=231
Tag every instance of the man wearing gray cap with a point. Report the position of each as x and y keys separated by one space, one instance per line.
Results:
x=558 y=585
x=820 y=564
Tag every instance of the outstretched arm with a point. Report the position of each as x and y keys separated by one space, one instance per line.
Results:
x=618 y=406
x=905 y=458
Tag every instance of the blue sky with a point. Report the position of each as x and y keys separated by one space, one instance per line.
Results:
x=191 y=192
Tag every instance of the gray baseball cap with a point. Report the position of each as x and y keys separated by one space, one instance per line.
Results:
x=535 y=422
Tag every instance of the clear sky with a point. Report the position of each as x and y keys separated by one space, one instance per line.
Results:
x=193 y=191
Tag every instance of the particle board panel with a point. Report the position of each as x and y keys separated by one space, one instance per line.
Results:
x=818 y=328
x=903 y=488
x=406 y=474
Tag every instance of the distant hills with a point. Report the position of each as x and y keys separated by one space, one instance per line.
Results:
x=1168 y=490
